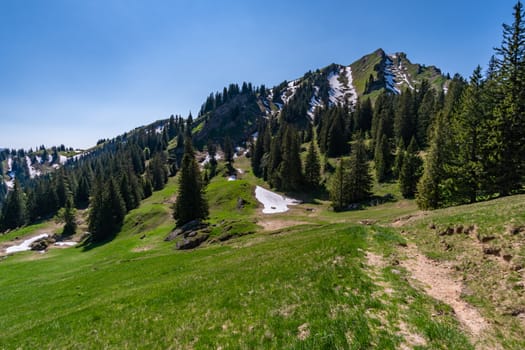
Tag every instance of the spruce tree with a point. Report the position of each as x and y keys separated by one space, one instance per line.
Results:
x=507 y=141
x=382 y=159
x=470 y=127
x=339 y=188
x=312 y=167
x=410 y=170
x=14 y=211
x=359 y=177
x=430 y=186
x=191 y=203
x=290 y=168
x=228 y=150
x=404 y=122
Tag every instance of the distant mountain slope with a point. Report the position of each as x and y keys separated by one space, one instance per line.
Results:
x=234 y=112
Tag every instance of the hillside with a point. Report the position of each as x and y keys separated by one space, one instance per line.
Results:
x=303 y=98
x=306 y=278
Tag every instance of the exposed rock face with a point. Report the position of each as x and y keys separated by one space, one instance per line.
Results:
x=193 y=242
x=42 y=244
x=186 y=230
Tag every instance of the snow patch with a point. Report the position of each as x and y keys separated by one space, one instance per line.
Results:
x=25 y=245
x=389 y=76
x=398 y=73
x=273 y=202
x=62 y=159
x=314 y=103
x=232 y=177
x=32 y=171
x=341 y=87
x=66 y=244
x=287 y=95
x=9 y=164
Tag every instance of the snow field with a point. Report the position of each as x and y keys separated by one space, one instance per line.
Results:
x=273 y=202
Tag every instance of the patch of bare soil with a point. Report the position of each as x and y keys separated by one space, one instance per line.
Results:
x=403 y=220
x=277 y=224
x=439 y=283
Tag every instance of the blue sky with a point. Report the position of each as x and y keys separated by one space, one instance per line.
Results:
x=73 y=71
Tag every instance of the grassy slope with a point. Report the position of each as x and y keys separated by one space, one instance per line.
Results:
x=493 y=283
x=306 y=286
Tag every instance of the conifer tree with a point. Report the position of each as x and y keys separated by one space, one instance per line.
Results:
x=470 y=127
x=399 y=158
x=228 y=150
x=339 y=188
x=404 y=122
x=312 y=167
x=258 y=151
x=191 y=203
x=382 y=159
x=14 y=211
x=429 y=188
x=107 y=211
x=410 y=170
x=337 y=140
x=290 y=168
x=507 y=141
x=67 y=215
x=359 y=177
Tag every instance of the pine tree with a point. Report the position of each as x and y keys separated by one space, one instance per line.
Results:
x=470 y=126
x=410 y=171
x=14 y=211
x=337 y=140
x=430 y=186
x=258 y=151
x=507 y=142
x=359 y=177
x=404 y=122
x=290 y=168
x=191 y=203
x=228 y=150
x=382 y=159
x=67 y=215
x=312 y=167
x=107 y=211
x=339 y=188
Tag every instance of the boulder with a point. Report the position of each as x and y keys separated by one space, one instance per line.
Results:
x=193 y=242
x=40 y=245
x=185 y=230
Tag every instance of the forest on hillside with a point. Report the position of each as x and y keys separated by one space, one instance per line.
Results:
x=460 y=144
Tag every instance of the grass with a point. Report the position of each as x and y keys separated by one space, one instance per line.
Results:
x=493 y=284
x=308 y=288
x=306 y=285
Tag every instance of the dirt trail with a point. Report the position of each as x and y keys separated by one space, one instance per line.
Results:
x=440 y=284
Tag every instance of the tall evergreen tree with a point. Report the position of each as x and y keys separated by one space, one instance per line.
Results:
x=404 y=121
x=191 y=203
x=339 y=192
x=382 y=159
x=228 y=150
x=470 y=126
x=312 y=167
x=14 y=211
x=430 y=186
x=290 y=168
x=359 y=177
x=507 y=141
x=410 y=170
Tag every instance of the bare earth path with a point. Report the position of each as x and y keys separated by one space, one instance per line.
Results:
x=439 y=283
